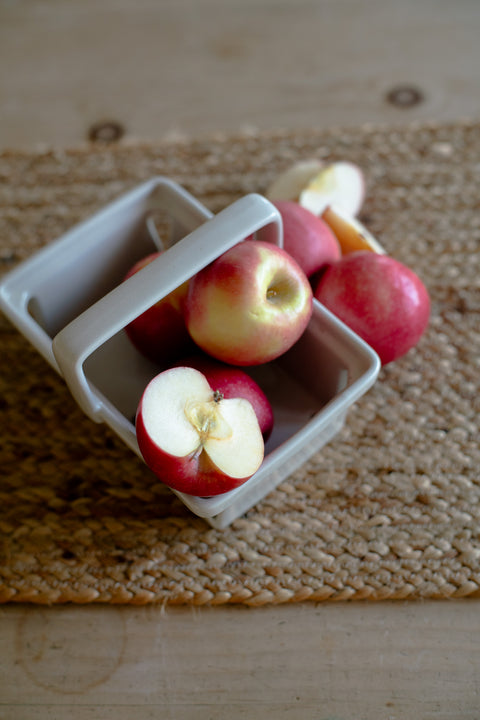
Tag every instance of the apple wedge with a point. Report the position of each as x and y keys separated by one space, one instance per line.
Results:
x=351 y=234
x=195 y=440
x=341 y=184
x=290 y=183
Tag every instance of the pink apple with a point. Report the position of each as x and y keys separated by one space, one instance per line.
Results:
x=234 y=382
x=160 y=333
x=195 y=440
x=379 y=298
x=307 y=238
x=250 y=305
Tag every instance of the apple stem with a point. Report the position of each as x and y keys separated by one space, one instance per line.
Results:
x=217 y=396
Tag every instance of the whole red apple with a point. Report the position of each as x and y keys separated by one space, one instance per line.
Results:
x=379 y=298
x=195 y=440
x=250 y=305
x=234 y=382
x=160 y=333
x=307 y=237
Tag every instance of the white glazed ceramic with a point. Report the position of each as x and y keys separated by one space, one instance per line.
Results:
x=70 y=302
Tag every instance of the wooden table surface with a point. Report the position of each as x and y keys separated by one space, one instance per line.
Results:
x=178 y=68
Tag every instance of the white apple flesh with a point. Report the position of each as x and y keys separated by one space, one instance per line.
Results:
x=250 y=305
x=195 y=440
x=341 y=184
x=290 y=183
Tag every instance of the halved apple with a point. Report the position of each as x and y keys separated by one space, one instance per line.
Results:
x=195 y=440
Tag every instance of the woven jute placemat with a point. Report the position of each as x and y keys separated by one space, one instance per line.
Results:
x=389 y=509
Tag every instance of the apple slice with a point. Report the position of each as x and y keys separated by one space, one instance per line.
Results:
x=290 y=183
x=351 y=234
x=341 y=184
x=195 y=440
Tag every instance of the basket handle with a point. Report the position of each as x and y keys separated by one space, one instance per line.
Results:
x=87 y=332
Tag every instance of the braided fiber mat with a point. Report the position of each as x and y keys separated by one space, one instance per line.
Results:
x=389 y=509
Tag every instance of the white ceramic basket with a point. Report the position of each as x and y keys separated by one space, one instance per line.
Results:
x=71 y=304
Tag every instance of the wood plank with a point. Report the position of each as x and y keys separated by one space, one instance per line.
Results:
x=342 y=661
x=194 y=67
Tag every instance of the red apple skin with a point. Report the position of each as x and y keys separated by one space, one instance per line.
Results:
x=380 y=299
x=307 y=238
x=234 y=382
x=250 y=305
x=194 y=474
x=159 y=333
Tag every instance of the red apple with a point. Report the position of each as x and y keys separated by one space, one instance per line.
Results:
x=234 y=382
x=307 y=238
x=160 y=333
x=250 y=305
x=195 y=440
x=379 y=298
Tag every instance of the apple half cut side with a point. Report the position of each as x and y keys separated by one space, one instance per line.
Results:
x=195 y=440
x=290 y=183
x=341 y=184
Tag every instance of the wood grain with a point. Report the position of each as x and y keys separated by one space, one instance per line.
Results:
x=348 y=662
x=193 y=67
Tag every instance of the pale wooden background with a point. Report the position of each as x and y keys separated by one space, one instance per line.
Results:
x=177 y=68
x=190 y=67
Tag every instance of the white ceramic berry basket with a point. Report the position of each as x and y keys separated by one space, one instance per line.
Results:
x=71 y=304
